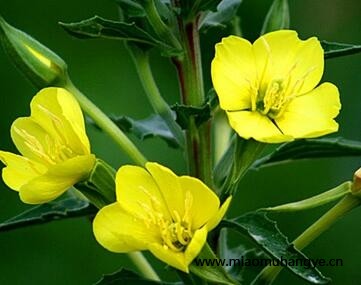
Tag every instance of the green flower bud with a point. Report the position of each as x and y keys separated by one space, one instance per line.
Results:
x=356 y=185
x=38 y=63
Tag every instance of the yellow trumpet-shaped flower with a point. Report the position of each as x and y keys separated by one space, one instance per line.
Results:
x=268 y=88
x=161 y=212
x=54 y=146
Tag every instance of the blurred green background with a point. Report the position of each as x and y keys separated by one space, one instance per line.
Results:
x=65 y=252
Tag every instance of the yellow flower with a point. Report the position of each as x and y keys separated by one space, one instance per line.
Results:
x=161 y=212
x=54 y=146
x=268 y=88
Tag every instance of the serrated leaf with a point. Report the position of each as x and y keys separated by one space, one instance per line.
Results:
x=125 y=277
x=202 y=114
x=153 y=126
x=333 y=49
x=240 y=255
x=97 y=27
x=311 y=148
x=278 y=17
x=226 y=10
x=265 y=233
x=56 y=210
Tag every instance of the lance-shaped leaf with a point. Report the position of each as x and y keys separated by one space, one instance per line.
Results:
x=265 y=233
x=311 y=148
x=97 y=27
x=125 y=276
x=278 y=17
x=333 y=49
x=226 y=10
x=45 y=213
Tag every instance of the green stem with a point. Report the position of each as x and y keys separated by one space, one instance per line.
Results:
x=192 y=89
x=160 y=28
x=141 y=60
x=348 y=203
x=107 y=125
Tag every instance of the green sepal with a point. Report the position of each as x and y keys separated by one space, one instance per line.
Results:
x=278 y=17
x=242 y=154
x=99 y=188
x=265 y=233
x=315 y=201
x=226 y=11
x=211 y=273
x=37 y=62
x=333 y=49
x=63 y=208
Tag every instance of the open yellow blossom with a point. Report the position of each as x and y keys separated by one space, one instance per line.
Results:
x=268 y=88
x=161 y=212
x=54 y=146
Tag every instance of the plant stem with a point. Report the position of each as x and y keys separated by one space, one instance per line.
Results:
x=107 y=125
x=141 y=60
x=348 y=203
x=190 y=75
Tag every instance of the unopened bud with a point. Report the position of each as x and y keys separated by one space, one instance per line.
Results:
x=38 y=63
x=356 y=185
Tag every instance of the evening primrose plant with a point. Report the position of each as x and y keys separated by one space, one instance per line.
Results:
x=267 y=106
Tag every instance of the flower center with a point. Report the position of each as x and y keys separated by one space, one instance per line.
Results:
x=176 y=235
x=274 y=99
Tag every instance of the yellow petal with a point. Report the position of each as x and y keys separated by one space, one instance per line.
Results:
x=19 y=170
x=205 y=203
x=56 y=110
x=33 y=141
x=281 y=55
x=169 y=187
x=216 y=219
x=195 y=246
x=57 y=180
x=138 y=193
x=119 y=231
x=311 y=115
x=233 y=73
x=254 y=125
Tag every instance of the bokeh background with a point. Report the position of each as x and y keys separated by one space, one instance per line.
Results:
x=65 y=252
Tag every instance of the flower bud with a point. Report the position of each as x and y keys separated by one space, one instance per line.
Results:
x=356 y=185
x=38 y=63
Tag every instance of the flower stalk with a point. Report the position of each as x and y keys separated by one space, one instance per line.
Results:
x=107 y=125
x=348 y=203
x=141 y=60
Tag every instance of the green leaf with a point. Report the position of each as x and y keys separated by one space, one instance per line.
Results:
x=97 y=27
x=315 y=201
x=56 y=210
x=333 y=49
x=131 y=8
x=311 y=148
x=226 y=10
x=202 y=114
x=213 y=273
x=237 y=257
x=223 y=167
x=153 y=126
x=265 y=233
x=278 y=17
x=125 y=277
